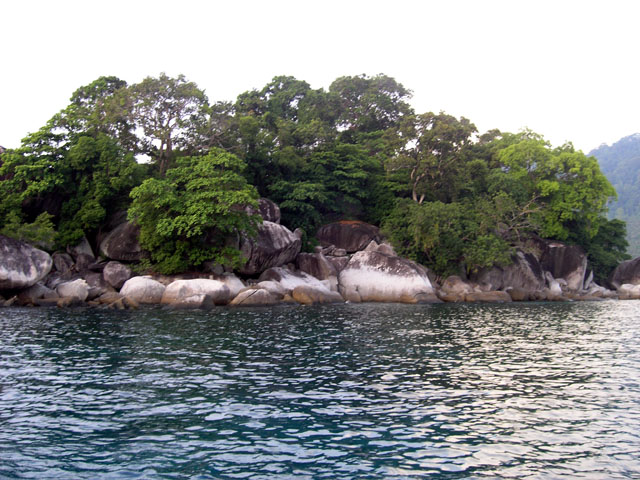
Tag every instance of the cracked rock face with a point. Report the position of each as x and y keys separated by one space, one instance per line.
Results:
x=21 y=265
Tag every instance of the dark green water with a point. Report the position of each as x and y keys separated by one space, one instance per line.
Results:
x=349 y=391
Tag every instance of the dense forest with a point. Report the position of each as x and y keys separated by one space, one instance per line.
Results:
x=185 y=168
x=620 y=163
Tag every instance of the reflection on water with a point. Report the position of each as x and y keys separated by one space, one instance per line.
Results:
x=348 y=391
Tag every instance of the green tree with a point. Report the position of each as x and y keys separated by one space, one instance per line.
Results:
x=433 y=155
x=447 y=237
x=164 y=109
x=606 y=249
x=369 y=104
x=565 y=183
x=77 y=182
x=187 y=217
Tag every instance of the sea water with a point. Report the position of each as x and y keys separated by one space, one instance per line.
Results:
x=537 y=390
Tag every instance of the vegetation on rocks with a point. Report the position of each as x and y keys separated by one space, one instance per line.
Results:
x=186 y=169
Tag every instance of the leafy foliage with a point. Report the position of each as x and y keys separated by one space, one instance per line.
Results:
x=74 y=182
x=450 y=238
x=40 y=233
x=188 y=217
x=446 y=196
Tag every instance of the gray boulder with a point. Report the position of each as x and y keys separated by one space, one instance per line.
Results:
x=629 y=291
x=233 y=283
x=309 y=295
x=21 y=265
x=62 y=262
x=525 y=273
x=274 y=288
x=456 y=286
x=36 y=292
x=143 y=290
x=555 y=289
x=176 y=292
x=289 y=280
x=274 y=246
x=317 y=265
x=122 y=243
x=196 y=301
x=78 y=289
x=97 y=284
x=626 y=273
x=350 y=235
x=84 y=262
x=568 y=262
x=269 y=210
x=373 y=276
x=339 y=263
x=254 y=297
x=83 y=248
x=115 y=274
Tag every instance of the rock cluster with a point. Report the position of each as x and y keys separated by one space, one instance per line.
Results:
x=352 y=264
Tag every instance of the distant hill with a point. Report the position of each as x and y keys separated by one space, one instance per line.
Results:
x=620 y=162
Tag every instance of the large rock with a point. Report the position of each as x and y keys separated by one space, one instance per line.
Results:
x=179 y=290
x=568 y=262
x=269 y=211
x=62 y=262
x=97 y=284
x=454 y=285
x=350 y=235
x=274 y=288
x=254 y=297
x=83 y=248
x=289 y=280
x=372 y=276
x=339 y=263
x=317 y=265
x=554 y=285
x=122 y=243
x=234 y=284
x=36 y=292
x=21 y=265
x=198 y=300
x=308 y=295
x=274 y=246
x=525 y=273
x=143 y=290
x=75 y=289
x=629 y=291
x=115 y=274
x=626 y=273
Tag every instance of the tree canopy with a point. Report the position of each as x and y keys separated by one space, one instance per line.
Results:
x=186 y=169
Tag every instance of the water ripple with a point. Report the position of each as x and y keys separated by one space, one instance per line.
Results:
x=351 y=391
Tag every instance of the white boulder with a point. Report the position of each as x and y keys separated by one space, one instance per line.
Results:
x=179 y=290
x=143 y=290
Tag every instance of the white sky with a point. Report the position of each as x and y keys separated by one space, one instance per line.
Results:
x=566 y=69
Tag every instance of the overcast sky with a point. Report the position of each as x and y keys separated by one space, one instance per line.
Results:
x=566 y=69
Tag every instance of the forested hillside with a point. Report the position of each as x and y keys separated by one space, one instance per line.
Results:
x=185 y=169
x=620 y=163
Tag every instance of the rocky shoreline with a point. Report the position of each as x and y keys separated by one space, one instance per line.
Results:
x=352 y=264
